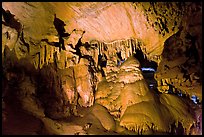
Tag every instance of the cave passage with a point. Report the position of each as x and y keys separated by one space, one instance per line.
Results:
x=136 y=71
x=148 y=68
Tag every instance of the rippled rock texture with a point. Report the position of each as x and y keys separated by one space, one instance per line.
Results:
x=127 y=97
x=61 y=58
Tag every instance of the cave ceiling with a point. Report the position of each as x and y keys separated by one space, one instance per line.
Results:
x=134 y=66
x=152 y=23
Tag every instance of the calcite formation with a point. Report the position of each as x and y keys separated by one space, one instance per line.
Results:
x=96 y=63
x=180 y=70
x=152 y=19
x=128 y=98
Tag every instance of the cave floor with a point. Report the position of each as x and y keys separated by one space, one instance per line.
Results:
x=19 y=122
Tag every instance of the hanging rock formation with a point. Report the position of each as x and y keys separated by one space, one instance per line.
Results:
x=97 y=68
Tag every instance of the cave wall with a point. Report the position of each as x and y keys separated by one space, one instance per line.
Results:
x=181 y=65
x=62 y=80
x=135 y=20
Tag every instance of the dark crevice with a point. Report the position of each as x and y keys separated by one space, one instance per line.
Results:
x=10 y=21
x=102 y=62
x=120 y=60
x=148 y=74
x=59 y=26
x=55 y=44
x=144 y=62
x=77 y=47
x=24 y=43
x=192 y=52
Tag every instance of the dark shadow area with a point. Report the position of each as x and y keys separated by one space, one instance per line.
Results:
x=192 y=51
x=177 y=130
x=10 y=21
x=148 y=68
x=120 y=60
x=143 y=61
x=15 y=120
x=55 y=44
x=59 y=26
x=102 y=62
x=77 y=47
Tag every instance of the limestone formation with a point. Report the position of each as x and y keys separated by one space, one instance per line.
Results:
x=135 y=107
x=100 y=70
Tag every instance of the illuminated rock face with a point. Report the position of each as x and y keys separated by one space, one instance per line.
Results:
x=105 y=22
x=67 y=88
x=128 y=98
x=60 y=80
x=117 y=92
x=84 y=85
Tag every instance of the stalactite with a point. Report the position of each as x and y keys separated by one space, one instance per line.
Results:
x=114 y=45
x=42 y=56
x=102 y=47
x=36 y=60
x=112 y=49
x=58 y=54
x=135 y=44
x=123 y=53
x=126 y=52
x=127 y=47
x=131 y=50
x=99 y=48
x=96 y=53
x=47 y=49
x=51 y=59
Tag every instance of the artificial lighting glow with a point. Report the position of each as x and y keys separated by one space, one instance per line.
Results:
x=180 y=94
x=151 y=85
x=148 y=69
x=194 y=98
